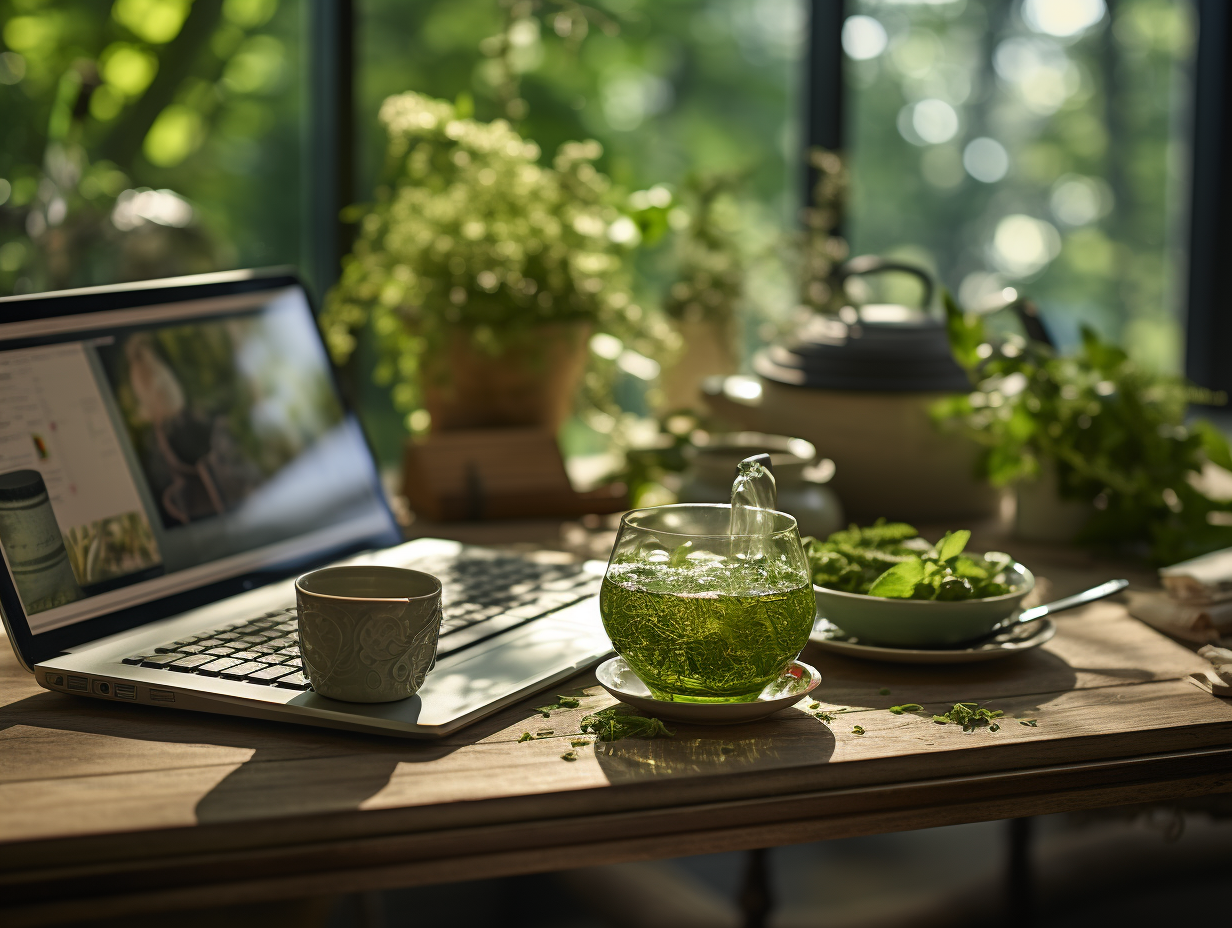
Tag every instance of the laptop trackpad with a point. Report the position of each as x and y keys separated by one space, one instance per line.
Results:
x=478 y=677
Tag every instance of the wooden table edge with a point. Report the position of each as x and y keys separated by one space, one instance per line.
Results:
x=389 y=861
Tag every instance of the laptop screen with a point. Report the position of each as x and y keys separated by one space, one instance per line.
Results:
x=146 y=452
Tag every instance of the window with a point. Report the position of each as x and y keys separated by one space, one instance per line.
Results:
x=1039 y=145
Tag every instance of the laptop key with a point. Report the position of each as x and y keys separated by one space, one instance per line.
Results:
x=214 y=668
x=246 y=655
x=136 y=658
x=240 y=671
x=161 y=660
x=186 y=664
x=293 y=681
x=268 y=675
x=222 y=651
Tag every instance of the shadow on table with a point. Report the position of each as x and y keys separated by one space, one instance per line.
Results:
x=851 y=681
x=699 y=751
x=290 y=770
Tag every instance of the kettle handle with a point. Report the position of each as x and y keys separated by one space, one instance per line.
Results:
x=873 y=264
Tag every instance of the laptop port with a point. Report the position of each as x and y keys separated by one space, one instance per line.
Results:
x=102 y=687
x=78 y=684
x=55 y=679
x=161 y=695
x=125 y=690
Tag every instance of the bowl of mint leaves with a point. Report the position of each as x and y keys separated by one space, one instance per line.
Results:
x=885 y=585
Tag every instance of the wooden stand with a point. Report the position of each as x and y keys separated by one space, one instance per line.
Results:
x=497 y=474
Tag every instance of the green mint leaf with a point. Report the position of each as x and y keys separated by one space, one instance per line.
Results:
x=952 y=544
x=569 y=755
x=1030 y=723
x=899 y=581
x=526 y=736
x=568 y=702
x=907 y=707
x=858 y=730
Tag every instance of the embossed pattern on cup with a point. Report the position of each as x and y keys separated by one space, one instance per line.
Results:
x=368 y=633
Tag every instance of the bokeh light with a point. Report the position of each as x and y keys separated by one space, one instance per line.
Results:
x=1063 y=18
x=986 y=160
x=864 y=37
x=1023 y=245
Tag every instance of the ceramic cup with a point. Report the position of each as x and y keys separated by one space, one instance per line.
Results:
x=368 y=633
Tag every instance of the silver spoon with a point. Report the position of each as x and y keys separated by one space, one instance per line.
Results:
x=1103 y=591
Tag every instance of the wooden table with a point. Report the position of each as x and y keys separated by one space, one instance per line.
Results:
x=112 y=809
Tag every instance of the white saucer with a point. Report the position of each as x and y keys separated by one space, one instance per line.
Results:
x=797 y=681
x=830 y=637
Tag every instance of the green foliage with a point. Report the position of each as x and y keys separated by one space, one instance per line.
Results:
x=710 y=265
x=98 y=107
x=891 y=560
x=471 y=233
x=1113 y=433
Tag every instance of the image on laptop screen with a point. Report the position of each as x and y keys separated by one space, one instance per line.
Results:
x=161 y=449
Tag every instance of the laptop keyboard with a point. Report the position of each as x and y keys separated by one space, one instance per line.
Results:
x=485 y=593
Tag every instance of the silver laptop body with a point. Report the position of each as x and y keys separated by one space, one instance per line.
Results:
x=172 y=455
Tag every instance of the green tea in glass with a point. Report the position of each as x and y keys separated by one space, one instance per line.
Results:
x=707 y=603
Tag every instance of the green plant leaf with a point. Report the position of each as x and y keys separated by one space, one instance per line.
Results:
x=1214 y=444
x=899 y=581
x=966 y=333
x=952 y=544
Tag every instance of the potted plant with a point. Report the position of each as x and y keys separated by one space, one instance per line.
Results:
x=704 y=301
x=1097 y=446
x=484 y=274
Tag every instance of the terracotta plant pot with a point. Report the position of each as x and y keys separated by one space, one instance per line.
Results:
x=530 y=384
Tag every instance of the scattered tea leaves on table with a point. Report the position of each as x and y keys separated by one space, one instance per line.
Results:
x=970 y=715
x=826 y=717
x=814 y=705
x=580 y=742
x=883 y=692
x=526 y=736
x=906 y=707
x=858 y=730
x=562 y=702
x=569 y=755
x=548 y=733
x=621 y=721
x=1030 y=723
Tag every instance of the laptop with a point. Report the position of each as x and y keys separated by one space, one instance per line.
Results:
x=172 y=455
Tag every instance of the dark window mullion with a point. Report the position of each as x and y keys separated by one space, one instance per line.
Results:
x=1208 y=337
x=329 y=141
